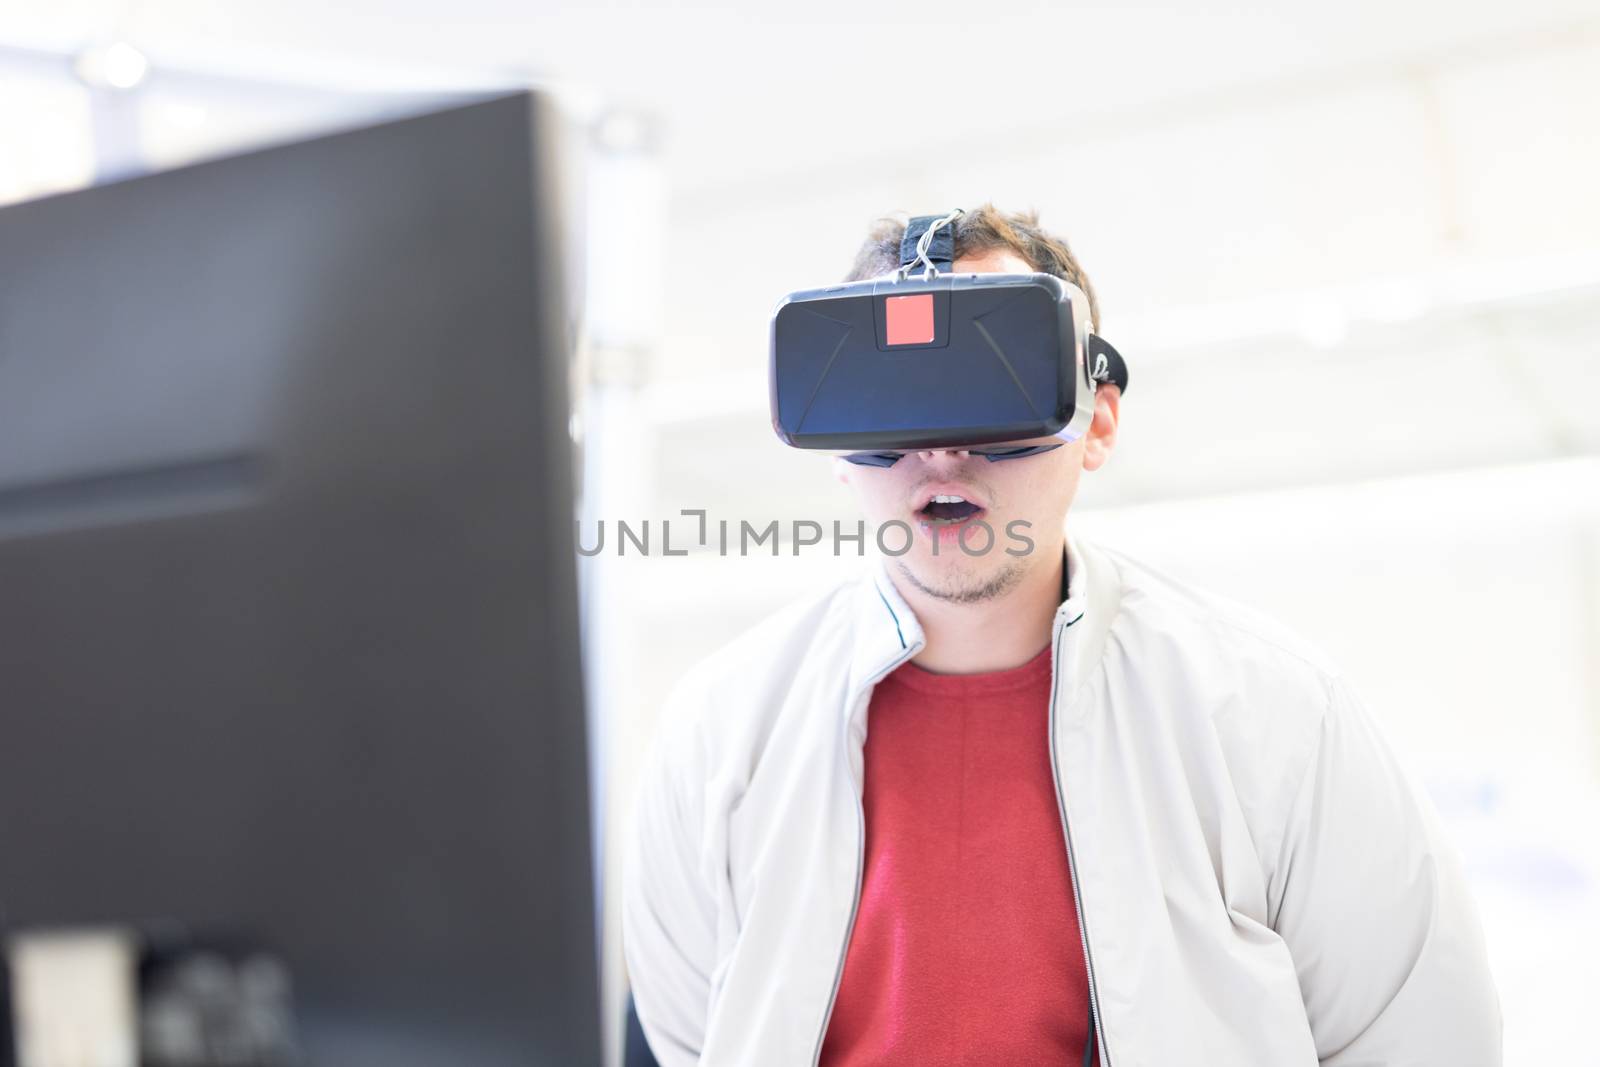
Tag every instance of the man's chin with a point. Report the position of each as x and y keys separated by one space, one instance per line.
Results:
x=961 y=581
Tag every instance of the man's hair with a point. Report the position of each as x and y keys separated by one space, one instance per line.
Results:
x=982 y=230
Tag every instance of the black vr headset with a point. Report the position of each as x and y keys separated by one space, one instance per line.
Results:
x=932 y=359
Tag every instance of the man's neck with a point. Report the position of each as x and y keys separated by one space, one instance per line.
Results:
x=990 y=635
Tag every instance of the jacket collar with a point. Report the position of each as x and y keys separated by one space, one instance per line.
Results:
x=888 y=634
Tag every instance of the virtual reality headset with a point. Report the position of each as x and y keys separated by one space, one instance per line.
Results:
x=925 y=358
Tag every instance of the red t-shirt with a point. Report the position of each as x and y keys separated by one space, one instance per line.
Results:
x=966 y=947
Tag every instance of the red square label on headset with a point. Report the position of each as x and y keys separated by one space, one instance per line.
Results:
x=908 y=320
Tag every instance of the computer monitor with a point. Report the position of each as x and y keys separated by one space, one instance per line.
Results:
x=288 y=617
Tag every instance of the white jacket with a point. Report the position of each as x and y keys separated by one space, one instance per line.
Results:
x=1258 y=882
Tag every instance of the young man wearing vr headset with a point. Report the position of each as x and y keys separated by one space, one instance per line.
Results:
x=1023 y=807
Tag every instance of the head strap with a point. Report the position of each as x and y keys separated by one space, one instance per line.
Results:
x=930 y=242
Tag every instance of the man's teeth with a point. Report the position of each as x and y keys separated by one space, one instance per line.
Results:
x=944 y=499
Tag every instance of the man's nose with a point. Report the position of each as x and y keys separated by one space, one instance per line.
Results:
x=943 y=455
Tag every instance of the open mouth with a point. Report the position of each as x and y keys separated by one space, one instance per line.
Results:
x=948 y=509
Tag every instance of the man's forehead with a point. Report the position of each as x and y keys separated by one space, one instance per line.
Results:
x=992 y=261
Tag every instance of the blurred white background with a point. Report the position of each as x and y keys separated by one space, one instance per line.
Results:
x=1352 y=253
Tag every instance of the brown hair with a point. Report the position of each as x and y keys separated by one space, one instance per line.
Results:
x=982 y=230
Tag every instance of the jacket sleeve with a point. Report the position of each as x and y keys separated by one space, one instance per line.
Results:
x=1371 y=901
x=669 y=917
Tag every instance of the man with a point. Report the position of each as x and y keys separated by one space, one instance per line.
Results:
x=1036 y=807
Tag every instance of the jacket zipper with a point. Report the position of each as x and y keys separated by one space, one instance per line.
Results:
x=1072 y=863
x=861 y=861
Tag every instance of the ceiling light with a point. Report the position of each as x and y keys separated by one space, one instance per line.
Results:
x=118 y=65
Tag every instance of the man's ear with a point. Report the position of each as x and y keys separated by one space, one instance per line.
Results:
x=1102 y=435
